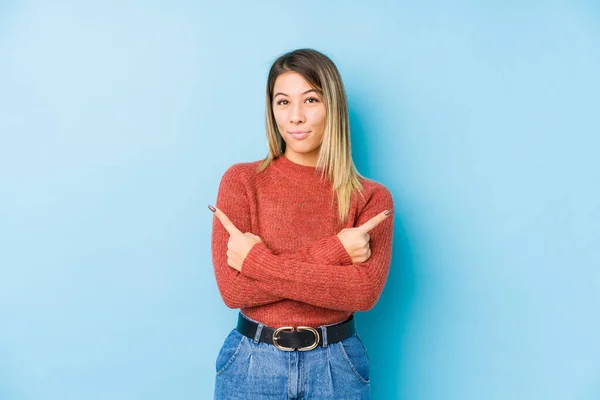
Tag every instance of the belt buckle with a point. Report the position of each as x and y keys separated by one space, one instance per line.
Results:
x=291 y=329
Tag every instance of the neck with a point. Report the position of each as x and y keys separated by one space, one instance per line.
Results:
x=308 y=160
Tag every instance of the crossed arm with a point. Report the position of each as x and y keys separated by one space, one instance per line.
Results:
x=321 y=274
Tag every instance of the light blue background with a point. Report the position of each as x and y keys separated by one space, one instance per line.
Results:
x=117 y=120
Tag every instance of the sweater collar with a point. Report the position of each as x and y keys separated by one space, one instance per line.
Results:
x=298 y=171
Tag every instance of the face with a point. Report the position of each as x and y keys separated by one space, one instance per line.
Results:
x=300 y=116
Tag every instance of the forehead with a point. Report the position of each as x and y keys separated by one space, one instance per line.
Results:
x=291 y=83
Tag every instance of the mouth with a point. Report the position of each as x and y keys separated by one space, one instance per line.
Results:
x=298 y=135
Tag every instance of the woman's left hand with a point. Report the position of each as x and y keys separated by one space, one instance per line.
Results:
x=239 y=243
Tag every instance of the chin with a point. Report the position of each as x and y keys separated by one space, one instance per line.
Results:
x=303 y=149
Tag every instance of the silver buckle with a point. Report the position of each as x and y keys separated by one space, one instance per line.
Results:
x=291 y=329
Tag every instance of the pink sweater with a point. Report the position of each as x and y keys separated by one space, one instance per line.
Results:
x=301 y=273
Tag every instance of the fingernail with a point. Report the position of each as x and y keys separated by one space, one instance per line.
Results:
x=211 y=208
x=388 y=212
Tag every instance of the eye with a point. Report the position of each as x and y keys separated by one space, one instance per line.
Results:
x=280 y=102
x=313 y=100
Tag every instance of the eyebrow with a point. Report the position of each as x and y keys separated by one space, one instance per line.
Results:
x=308 y=91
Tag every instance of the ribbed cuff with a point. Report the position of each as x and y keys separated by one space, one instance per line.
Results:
x=332 y=252
x=260 y=263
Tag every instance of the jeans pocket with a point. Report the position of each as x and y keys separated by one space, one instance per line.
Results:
x=357 y=357
x=229 y=350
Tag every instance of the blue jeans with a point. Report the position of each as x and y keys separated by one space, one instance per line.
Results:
x=247 y=369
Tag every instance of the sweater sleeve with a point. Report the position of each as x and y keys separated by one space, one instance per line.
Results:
x=236 y=289
x=354 y=287
x=329 y=250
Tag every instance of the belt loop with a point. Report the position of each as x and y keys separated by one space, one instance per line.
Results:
x=324 y=335
x=259 y=329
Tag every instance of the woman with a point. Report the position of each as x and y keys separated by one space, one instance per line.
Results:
x=299 y=243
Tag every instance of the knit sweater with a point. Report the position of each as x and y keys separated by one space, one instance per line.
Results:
x=300 y=274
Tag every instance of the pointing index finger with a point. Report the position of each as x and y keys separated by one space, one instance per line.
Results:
x=373 y=222
x=226 y=222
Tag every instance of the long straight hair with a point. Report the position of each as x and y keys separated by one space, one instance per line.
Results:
x=335 y=155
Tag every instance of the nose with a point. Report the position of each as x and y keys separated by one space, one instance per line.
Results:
x=296 y=114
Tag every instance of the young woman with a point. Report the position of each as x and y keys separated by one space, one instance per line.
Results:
x=299 y=243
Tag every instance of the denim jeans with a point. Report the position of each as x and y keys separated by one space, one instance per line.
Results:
x=249 y=370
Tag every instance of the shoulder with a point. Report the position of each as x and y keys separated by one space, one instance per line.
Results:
x=240 y=173
x=375 y=193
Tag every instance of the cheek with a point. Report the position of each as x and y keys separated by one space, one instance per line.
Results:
x=318 y=118
x=278 y=118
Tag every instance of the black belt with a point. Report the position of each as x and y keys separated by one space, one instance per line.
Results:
x=302 y=338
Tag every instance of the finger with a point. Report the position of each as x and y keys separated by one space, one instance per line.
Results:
x=373 y=222
x=226 y=222
x=252 y=235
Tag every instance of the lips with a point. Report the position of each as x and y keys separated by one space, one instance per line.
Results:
x=298 y=135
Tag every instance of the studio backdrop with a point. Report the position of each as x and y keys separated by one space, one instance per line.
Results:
x=118 y=119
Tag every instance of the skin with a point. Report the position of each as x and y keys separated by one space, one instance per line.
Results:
x=299 y=107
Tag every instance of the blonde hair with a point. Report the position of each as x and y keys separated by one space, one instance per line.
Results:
x=335 y=156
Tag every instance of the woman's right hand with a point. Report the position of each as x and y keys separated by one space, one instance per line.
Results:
x=356 y=240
